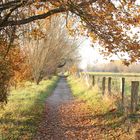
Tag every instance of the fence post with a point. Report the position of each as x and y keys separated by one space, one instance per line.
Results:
x=134 y=95
x=103 y=85
x=122 y=89
x=109 y=85
x=93 y=80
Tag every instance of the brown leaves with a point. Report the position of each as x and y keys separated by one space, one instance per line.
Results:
x=76 y=120
x=10 y=67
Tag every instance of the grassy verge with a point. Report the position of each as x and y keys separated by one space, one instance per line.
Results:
x=20 y=117
x=93 y=97
x=105 y=112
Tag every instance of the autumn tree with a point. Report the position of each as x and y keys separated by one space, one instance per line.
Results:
x=105 y=20
x=53 y=50
x=10 y=64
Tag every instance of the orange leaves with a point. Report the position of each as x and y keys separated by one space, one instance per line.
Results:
x=136 y=20
x=93 y=36
x=109 y=23
x=19 y=65
x=37 y=33
x=9 y=67
x=73 y=69
x=103 y=17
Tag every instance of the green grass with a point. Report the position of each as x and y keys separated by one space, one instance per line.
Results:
x=20 y=117
x=115 y=85
x=116 y=80
x=93 y=97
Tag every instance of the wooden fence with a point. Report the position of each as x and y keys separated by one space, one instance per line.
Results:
x=107 y=85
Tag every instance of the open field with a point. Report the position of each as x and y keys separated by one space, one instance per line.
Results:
x=114 y=74
x=20 y=117
x=116 y=79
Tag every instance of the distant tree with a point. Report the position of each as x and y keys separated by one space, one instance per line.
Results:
x=116 y=66
x=52 y=51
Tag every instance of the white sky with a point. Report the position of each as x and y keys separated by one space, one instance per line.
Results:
x=91 y=55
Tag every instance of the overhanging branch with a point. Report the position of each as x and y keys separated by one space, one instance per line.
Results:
x=60 y=9
x=10 y=4
x=33 y=18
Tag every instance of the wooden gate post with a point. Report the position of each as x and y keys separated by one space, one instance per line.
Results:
x=134 y=95
x=103 y=85
x=122 y=89
x=109 y=85
x=93 y=80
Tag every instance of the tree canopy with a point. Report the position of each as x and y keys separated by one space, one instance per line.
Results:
x=106 y=20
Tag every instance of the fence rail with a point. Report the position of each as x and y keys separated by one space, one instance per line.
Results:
x=109 y=74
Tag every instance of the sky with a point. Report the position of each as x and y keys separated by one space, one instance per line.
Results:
x=91 y=55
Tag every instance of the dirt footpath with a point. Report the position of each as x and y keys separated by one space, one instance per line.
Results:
x=51 y=128
x=66 y=118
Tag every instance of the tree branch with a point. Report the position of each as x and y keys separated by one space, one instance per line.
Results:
x=9 y=14
x=10 y=4
x=41 y=16
x=33 y=18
